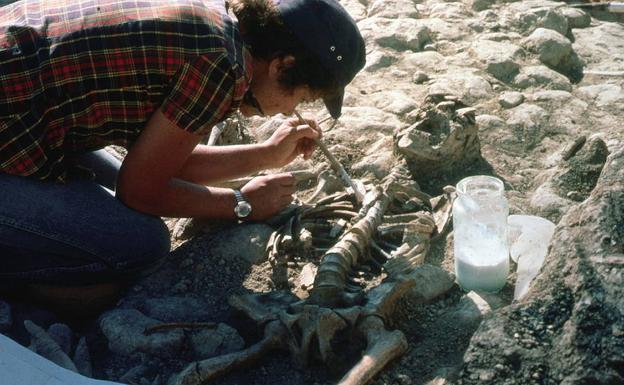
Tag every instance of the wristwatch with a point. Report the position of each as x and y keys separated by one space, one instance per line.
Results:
x=242 y=208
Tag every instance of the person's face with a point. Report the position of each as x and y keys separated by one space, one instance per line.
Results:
x=272 y=97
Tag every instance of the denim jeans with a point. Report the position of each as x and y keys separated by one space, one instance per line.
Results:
x=76 y=233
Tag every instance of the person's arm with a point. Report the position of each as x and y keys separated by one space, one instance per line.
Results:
x=210 y=164
x=150 y=179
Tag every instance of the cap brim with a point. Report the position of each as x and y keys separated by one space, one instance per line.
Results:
x=333 y=103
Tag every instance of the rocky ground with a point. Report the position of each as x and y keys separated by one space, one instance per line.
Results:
x=546 y=81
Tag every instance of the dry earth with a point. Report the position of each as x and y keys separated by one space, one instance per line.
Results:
x=541 y=75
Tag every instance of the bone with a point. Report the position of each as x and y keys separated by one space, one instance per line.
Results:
x=382 y=347
x=44 y=345
x=200 y=372
x=337 y=167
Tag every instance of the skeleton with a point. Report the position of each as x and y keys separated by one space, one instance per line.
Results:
x=389 y=235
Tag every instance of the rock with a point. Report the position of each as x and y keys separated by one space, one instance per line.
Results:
x=550 y=96
x=431 y=282
x=444 y=30
x=175 y=309
x=134 y=375
x=419 y=77
x=480 y=5
x=394 y=102
x=62 y=335
x=453 y=11
x=208 y=343
x=528 y=20
x=510 y=99
x=601 y=46
x=6 y=318
x=542 y=77
x=377 y=60
x=42 y=344
x=400 y=34
x=251 y=251
x=361 y=121
x=429 y=62
x=489 y=122
x=393 y=9
x=603 y=95
x=469 y=88
x=124 y=329
x=501 y=60
x=553 y=48
x=526 y=123
x=82 y=358
x=577 y=18
x=546 y=203
x=471 y=309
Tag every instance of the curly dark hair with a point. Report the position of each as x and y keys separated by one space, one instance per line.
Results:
x=268 y=37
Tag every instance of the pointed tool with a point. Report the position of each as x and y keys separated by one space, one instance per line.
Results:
x=337 y=167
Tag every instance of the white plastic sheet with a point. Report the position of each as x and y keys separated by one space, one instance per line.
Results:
x=20 y=366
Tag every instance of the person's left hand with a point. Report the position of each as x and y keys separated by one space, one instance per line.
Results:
x=292 y=139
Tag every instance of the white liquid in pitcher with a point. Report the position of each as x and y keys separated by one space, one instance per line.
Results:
x=482 y=264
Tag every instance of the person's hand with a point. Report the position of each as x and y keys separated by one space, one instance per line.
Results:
x=292 y=139
x=269 y=194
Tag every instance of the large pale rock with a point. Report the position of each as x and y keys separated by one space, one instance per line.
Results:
x=208 y=343
x=527 y=18
x=441 y=29
x=527 y=125
x=550 y=96
x=510 y=99
x=551 y=47
x=471 y=89
x=429 y=62
x=399 y=34
x=601 y=46
x=501 y=60
x=449 y=11
x=124 y=329
x=542 y=77
x=489 y=122
x=252 y=251
x=394 y=102
x=393 y=9
x=378 y=59
x=480 y=5
x=577 y=18
x=603 y=95
x=175 y=308
x=568 y=329
x=366 y=120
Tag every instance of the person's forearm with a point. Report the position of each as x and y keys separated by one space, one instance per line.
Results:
x=184 y=199
x=210 y=164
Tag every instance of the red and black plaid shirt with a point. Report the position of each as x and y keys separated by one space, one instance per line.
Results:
x=78 y=75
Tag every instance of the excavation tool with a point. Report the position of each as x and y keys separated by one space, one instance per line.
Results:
x=337 y=167
x=611 y=6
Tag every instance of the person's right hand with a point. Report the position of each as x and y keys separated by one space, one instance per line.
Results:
x=269 y=194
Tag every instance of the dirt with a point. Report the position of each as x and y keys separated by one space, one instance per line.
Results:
x=524 y=156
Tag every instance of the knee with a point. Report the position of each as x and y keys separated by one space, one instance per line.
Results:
x=149 y=244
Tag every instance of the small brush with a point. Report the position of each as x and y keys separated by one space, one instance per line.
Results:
x=336 y=166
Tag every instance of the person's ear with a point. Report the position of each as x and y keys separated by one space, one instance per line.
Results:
x=279 y=64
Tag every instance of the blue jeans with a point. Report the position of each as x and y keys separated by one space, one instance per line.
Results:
x=76 y=233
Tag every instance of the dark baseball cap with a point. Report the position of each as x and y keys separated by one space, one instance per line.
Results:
x=326 y=29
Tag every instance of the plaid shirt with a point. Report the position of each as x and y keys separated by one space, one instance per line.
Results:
x=78 y=75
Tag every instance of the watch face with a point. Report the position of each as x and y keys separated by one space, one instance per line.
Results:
x=242 y=209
